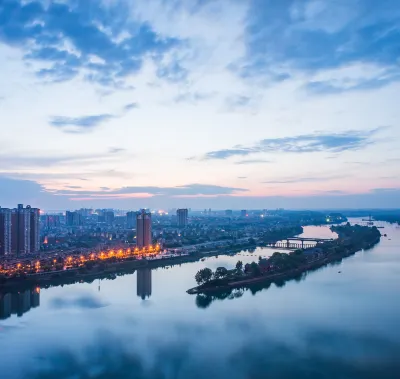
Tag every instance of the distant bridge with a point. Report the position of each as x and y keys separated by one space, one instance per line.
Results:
x=298 y=242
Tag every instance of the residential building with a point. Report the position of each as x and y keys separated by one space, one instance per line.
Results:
x=182 y=215
x=243 y=213
x=131 y=219
x=5 y=231
x=34 y=229
x=52 y=221
x=73 y=218
x=109 y=217
x=143 y=230
x=21 y=230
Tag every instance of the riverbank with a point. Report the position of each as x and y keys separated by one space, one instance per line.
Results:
x=106 y=270
x=347 y=244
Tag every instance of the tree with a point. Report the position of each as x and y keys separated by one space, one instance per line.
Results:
x=220 y=273
x=255 y=269
x=239 y=265
x=203 y=276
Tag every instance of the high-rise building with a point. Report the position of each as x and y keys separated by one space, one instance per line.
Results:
x=73 y=218
x=243 y=213
x=34 y=229
x=143 y=229
x=228 y=212
x=182 y=215
x=21 y=230
x=131 y=219
x=144 y=283
x=5 y=231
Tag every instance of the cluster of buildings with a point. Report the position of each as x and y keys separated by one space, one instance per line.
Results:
x=19 y=230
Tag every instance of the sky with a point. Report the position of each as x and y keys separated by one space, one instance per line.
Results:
x=225 y=104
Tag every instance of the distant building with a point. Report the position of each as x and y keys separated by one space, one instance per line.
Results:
x=243 y=213
x=131 y=219
x=52 y=221
x=144 y=283
x=228 y=212
x=5 y=231
x=143 y=230
x=73 y=219
x=182 y=215
x=85 y=212
x=109 y=217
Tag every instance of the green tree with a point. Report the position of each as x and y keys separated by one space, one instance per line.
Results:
x=203 y=276
x=220 y=272
x=239 y=265
x=255 y=269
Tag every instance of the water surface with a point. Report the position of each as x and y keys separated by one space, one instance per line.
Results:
x=324 y=325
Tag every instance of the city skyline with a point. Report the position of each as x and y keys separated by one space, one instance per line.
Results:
x=188 y=104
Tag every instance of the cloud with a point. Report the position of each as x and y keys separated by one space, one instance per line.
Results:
x=242 y=177
x=253 y=161
x=193 y=97
x=17 y=160
x=116 y=150
x=185 y=190
x=173 y=72
x=309 y=36
x=227 y=153
x=308 y=143
x=131 y=106
x=108 y=33
x=305 y=179
x=238 y=101
x=83 y=124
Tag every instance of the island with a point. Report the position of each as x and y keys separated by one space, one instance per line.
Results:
x=283 y=266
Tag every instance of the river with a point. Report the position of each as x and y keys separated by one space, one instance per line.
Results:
x=324 y=325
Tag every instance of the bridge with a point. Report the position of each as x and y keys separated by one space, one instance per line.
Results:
x=298 y=242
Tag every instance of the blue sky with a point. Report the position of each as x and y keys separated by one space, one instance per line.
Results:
x=200 y=103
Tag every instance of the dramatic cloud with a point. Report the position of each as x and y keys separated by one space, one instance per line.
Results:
x=105 y=32
x=314 y=35
x=309 y=143
x=234 y=84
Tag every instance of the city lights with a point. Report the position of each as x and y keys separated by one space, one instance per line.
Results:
x=75 y=261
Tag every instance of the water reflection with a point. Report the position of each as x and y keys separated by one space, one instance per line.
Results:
x=18 y=303
x=144 y=283
x=328 y=326
x=319 y=355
